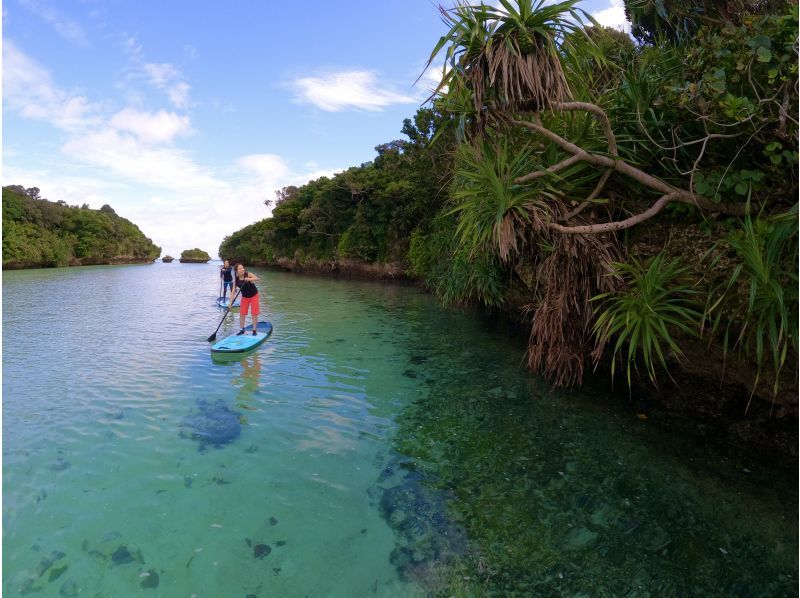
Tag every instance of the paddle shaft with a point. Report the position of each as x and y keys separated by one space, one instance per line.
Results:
x=233 y=300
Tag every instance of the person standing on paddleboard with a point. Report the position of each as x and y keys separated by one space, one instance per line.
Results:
x=226 y=274
x=246 y=282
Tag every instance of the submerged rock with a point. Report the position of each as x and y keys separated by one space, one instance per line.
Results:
x=122 y=556
x=56 y=572
x=212 y=424
x=59 y=464
x=579 y=539
x=28 y=587
x=46 y=562
x=261 y=550
x=150 y=579
x=417 y=512
x=69 y=589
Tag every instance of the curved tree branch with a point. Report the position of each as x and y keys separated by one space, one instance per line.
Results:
x=601 y=116
x=598 y=113
x=619 y=165
x=610 y=227
x=551 y=170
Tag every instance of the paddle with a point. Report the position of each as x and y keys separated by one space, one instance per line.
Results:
x=214 y=336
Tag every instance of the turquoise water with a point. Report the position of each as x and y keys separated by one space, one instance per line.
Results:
x=377 y=444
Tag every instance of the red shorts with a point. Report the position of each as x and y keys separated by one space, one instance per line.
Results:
x=247 y=303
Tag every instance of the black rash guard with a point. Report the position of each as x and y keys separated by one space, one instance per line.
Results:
x=248 y=287
x=226 y=274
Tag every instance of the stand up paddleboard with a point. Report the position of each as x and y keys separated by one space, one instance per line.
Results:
x=239 y=343
x=223 y=303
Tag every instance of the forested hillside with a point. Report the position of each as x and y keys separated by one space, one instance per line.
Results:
x=635 y=200
x=38 y=233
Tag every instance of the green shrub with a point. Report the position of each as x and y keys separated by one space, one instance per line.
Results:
x=762 y=290
x=655 y=300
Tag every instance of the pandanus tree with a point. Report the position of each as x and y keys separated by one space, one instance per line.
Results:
x=548 y=204
x=503 y=65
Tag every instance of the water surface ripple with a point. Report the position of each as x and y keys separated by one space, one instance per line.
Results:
x=380 y=445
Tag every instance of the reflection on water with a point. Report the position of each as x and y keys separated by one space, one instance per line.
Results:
x=376 y=444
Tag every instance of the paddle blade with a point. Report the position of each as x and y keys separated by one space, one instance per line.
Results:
x=212 y=338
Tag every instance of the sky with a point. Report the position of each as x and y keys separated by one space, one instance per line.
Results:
x=185 y=116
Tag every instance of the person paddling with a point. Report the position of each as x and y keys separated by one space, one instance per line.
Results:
x=246 y=282
x=226 y=274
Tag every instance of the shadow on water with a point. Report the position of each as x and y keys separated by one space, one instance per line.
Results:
x=214 y=423
x=211 y=424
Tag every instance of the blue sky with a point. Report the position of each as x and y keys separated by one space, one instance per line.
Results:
x=186 y=115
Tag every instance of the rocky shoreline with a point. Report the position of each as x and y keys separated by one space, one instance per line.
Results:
x=114 y=261
x=710 y=393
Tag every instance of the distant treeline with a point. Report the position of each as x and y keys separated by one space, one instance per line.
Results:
x=38 y=233
x=367 y=212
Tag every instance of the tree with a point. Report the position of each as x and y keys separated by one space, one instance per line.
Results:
x=508 y=85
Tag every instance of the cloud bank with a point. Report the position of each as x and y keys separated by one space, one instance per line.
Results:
x=128 y=158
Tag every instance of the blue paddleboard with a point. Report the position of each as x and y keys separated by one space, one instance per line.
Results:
x=239 y=343
x=223 y=303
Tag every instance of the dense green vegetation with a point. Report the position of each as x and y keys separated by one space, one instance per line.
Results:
x=38 y=233
x=629 y=196
x=367 y=212
x=194 y=255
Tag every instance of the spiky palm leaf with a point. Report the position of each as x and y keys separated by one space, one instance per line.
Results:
x=508 y=56
x=766 y=282
x=493 y=212
x=657 y=300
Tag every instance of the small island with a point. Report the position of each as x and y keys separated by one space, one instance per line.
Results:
x=39 y=233
x=167 y=259
x=194 y=256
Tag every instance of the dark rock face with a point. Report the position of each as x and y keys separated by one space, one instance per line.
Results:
x=344 y=268
x=417 y=511
x=212 y=423
x=191 y=260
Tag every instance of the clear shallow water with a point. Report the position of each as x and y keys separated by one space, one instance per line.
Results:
x=388 y=447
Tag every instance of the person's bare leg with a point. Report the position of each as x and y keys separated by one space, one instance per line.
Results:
x=242 y=316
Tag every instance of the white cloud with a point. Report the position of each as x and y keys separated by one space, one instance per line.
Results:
x=613 y=16
x=67 y=28
x=132 y=47
x=125 y=159
x=269 y=169
x=160 y=74
x=125 y=155
x=151 y=127
x=167 y=78
x=340 y=91
x=178 y=94
x=431 y=78
x=29 y=89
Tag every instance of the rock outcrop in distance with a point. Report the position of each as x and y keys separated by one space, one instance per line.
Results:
x=194 y=256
